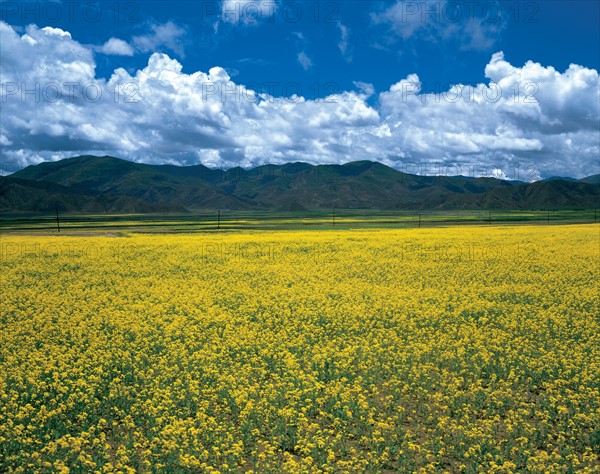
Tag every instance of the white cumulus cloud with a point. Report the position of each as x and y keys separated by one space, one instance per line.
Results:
x=117 y=47
x=167 y=35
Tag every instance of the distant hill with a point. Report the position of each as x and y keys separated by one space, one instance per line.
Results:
x=43 y=196
x=90 y=184
x=594 y=179
x=108 y=176
x=560 y=178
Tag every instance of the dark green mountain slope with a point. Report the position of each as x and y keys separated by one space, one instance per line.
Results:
x=43 y=196
x=107 y=184
x=153 y=184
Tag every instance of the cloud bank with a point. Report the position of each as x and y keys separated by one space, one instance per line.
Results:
x=54 y=106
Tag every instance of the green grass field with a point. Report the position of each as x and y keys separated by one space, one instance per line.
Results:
x=209 y=221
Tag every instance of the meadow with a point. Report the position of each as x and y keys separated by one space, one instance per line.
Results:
x=239 y=220
x=451 y=349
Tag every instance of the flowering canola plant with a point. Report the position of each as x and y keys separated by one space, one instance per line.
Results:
x=426 y=350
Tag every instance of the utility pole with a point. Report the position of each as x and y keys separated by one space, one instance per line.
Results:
x=57 y=221
x=490 y=217
x=548 y=217
x=218 y=219
x=419 y=221
x=333 y=217
x=595 y=215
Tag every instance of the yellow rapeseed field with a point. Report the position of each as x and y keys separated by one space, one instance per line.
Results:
x=426 y=350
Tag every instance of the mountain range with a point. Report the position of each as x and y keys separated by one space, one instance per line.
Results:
x=91 y=184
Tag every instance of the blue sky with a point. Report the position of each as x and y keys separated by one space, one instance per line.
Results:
x=372 y=80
